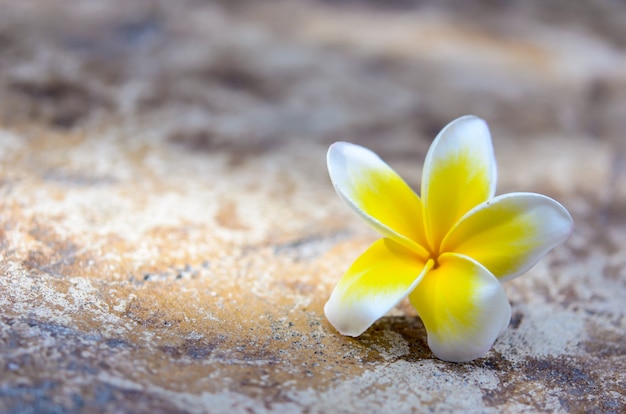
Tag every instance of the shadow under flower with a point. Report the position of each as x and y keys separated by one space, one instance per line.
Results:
x=397 y=338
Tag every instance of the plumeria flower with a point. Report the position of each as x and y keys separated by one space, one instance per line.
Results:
x=448 y=250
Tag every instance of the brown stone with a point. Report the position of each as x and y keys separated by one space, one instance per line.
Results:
x=169 y=235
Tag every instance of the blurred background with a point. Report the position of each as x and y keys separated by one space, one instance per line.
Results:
x=247 y=75
x=317 y=69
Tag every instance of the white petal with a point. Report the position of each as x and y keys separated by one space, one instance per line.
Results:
x=459 y=173
x=464 y=308
x=510 y=233
x=375 y=283
x=377 y=194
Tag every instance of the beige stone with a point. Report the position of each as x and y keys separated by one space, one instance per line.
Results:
x=169 y=235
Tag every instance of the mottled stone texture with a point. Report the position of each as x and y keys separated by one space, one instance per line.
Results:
x=168 y=233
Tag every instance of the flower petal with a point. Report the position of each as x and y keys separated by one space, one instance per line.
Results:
x=377 y=194
x=375 y=283
x=511 y=232
x=459 y=173
x=464 y=308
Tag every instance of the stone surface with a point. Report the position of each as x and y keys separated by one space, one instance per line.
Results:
x=168 y=233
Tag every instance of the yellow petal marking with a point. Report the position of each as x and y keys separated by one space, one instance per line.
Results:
x=511 y=232
x=459 y=174
x=377 y=194
x=382 y=276
x=463 y=307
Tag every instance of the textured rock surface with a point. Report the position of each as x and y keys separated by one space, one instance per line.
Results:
x=168 y=234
